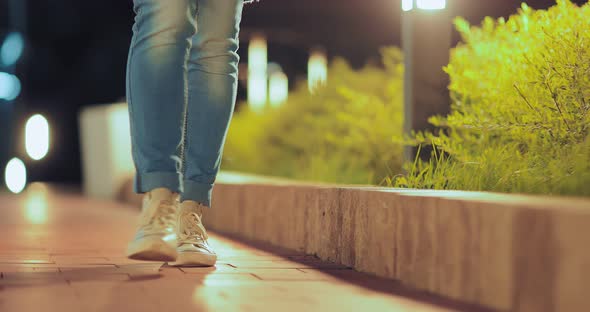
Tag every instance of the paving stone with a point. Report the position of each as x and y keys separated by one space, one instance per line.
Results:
x=217 y=269
x=65 y=260
x=87 y=267
x=29 y=275
x=25 y=259
x=56 y=297
x=16 y=267
x=288 y=275
x=283 y=264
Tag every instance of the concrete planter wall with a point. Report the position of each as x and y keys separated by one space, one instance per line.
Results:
x=506 y=252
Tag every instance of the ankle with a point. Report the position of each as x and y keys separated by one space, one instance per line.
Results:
x=161 y=192
x=192 y=206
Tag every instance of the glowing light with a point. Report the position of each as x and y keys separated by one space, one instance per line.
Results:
x=9 y=86
x=257 y=91
x=36 y=203
x=257 y=54
x=431 y=4
x=257 y=76
x=37 y=137
x=317 y=70
x=278 y=88
x=407 y=5
x=15 y=175
x=12 y=49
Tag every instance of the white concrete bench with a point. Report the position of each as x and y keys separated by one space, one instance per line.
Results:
x=106 y=149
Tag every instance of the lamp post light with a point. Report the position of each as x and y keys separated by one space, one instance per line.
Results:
x=317 y=70
x=278 y=88
x=426 y=41
x=257 y=72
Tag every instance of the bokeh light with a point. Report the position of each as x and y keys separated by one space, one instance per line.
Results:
x=278 y=88
x=11 y=49
x=36 y=203
x=257 y=75
x=431 y=4
x=317 y=70
x=37 y=137
x=407 y=5
x=9 y=86
x=15 y=175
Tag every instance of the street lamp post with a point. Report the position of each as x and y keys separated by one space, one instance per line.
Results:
x=426 y=41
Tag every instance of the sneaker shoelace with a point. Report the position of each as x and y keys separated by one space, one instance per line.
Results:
x=164 y=217
x=193 y=231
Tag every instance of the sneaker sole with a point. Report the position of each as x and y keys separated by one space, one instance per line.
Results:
x=194 y=259
x=151 y=248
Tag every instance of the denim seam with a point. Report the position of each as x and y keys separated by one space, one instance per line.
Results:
x=184 y=134
x=184 y=140
x=130 y=107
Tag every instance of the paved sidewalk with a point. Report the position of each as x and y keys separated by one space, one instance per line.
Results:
x=62 y=252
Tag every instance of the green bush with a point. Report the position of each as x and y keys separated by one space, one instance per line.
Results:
x=520 y=93
x=341 y=133
x=521 y=100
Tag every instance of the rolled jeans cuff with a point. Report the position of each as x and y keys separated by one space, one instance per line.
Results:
x=146 y=182
x=197 y=191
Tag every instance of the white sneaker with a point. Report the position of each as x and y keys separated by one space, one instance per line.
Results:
x=193 y=249
x=155 y=238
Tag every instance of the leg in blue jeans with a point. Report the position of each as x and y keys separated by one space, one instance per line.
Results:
x=181 y=89
x=212 y=88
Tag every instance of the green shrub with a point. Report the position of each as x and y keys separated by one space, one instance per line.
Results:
x=342 y=133
x=521 y=100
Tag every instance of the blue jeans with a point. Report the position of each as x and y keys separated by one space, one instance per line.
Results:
x=182 y=76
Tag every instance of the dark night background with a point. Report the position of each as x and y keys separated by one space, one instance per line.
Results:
x=77 y=50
